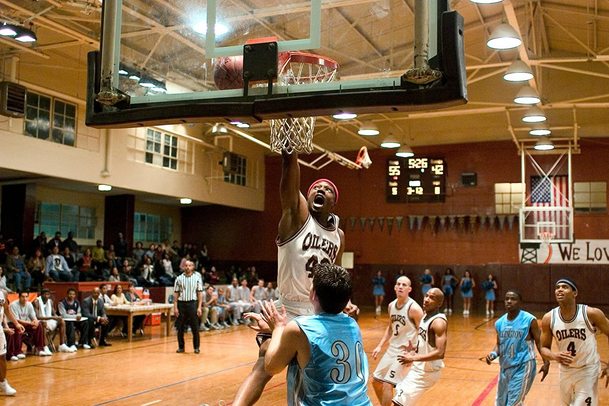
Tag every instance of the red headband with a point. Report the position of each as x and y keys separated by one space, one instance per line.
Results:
x=328 y=181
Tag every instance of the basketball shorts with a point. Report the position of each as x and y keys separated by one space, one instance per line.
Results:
x=295 y=309
x=579 y=386
x=514 y=383
x=50 y=324
x=389 y=368
x=416 y=383
x=2 y=344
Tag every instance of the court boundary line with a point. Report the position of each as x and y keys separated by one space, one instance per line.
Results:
x=486 y=391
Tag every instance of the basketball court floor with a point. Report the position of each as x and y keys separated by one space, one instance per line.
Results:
x=149 y=372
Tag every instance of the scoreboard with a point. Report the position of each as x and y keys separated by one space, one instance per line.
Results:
x=416 y=179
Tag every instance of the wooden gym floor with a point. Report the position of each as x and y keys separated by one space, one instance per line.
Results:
x=149 y=372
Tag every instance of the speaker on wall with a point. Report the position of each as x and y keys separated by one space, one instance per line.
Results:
x=469 y=178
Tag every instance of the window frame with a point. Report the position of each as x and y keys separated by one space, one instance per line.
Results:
x=57 y=119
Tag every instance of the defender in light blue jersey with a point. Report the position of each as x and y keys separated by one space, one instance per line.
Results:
x=325 y=353
x=517 y=334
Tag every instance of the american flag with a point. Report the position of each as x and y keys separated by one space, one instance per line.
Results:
x=552 y=191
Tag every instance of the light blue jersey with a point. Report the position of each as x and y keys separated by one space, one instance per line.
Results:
x=517 y=359
x=514 y=346
x=337 y=372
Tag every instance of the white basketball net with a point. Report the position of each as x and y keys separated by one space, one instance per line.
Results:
x=296 y=134
x=546 y=237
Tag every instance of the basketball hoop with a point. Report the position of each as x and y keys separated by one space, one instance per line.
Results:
x=546 y=238
x=363 y=159
x=295 y=134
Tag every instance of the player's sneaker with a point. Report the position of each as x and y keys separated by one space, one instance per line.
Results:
x=7 y=389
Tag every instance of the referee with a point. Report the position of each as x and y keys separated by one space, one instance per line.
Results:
x=188 y=297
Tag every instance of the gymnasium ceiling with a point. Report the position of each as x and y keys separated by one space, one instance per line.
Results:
x=566 y=42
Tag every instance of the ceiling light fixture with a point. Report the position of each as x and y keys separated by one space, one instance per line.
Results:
x=504 y=37
x=344 y=116
x=8 y=30
x=146 y=81
x=390 y=142
x=527 y=95
x=404 y=152
x=185 y=200
x=135 y=76
x=540 y=132
x=159 y=86
x=544 y=145
x=518 y=71
x=200 y=28
x=534 y=115
x=219 y=128
x=104 y=188
x=368 y=129
x=25 y=35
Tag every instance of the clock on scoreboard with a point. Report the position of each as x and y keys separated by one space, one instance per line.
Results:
x=416 y=179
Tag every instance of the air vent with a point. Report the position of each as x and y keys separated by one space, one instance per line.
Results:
x=12 y=99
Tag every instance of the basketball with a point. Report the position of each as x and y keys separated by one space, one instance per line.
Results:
x=228 y=72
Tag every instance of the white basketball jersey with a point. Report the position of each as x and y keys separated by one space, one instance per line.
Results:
x=403 y=329
x=576 y=336
x=424 y=347
x=297 y=256
x=45 y=309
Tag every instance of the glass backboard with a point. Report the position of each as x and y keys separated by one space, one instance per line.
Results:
x=165 y=62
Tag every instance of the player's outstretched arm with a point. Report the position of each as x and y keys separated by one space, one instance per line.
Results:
x=535 y=334
x=294 y=209
x=599 y=320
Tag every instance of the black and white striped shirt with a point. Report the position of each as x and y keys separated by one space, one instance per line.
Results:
x=188 y=286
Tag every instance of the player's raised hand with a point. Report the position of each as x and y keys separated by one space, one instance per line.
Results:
x=273 y=316
x=260 y=325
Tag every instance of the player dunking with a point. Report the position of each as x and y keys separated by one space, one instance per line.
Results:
x=404 y=318
x=573 y=326
x=308 y=234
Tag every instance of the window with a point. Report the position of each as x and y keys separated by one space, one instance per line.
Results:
x=38 y=123
x=235 y=168
x=152 y=227
x=508 y=197
x=161 y=150
x=590 y=196
x=52 y=217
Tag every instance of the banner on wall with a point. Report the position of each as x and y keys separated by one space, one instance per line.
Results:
x=578 y=252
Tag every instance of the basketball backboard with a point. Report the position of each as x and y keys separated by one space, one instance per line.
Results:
x=158 y=59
